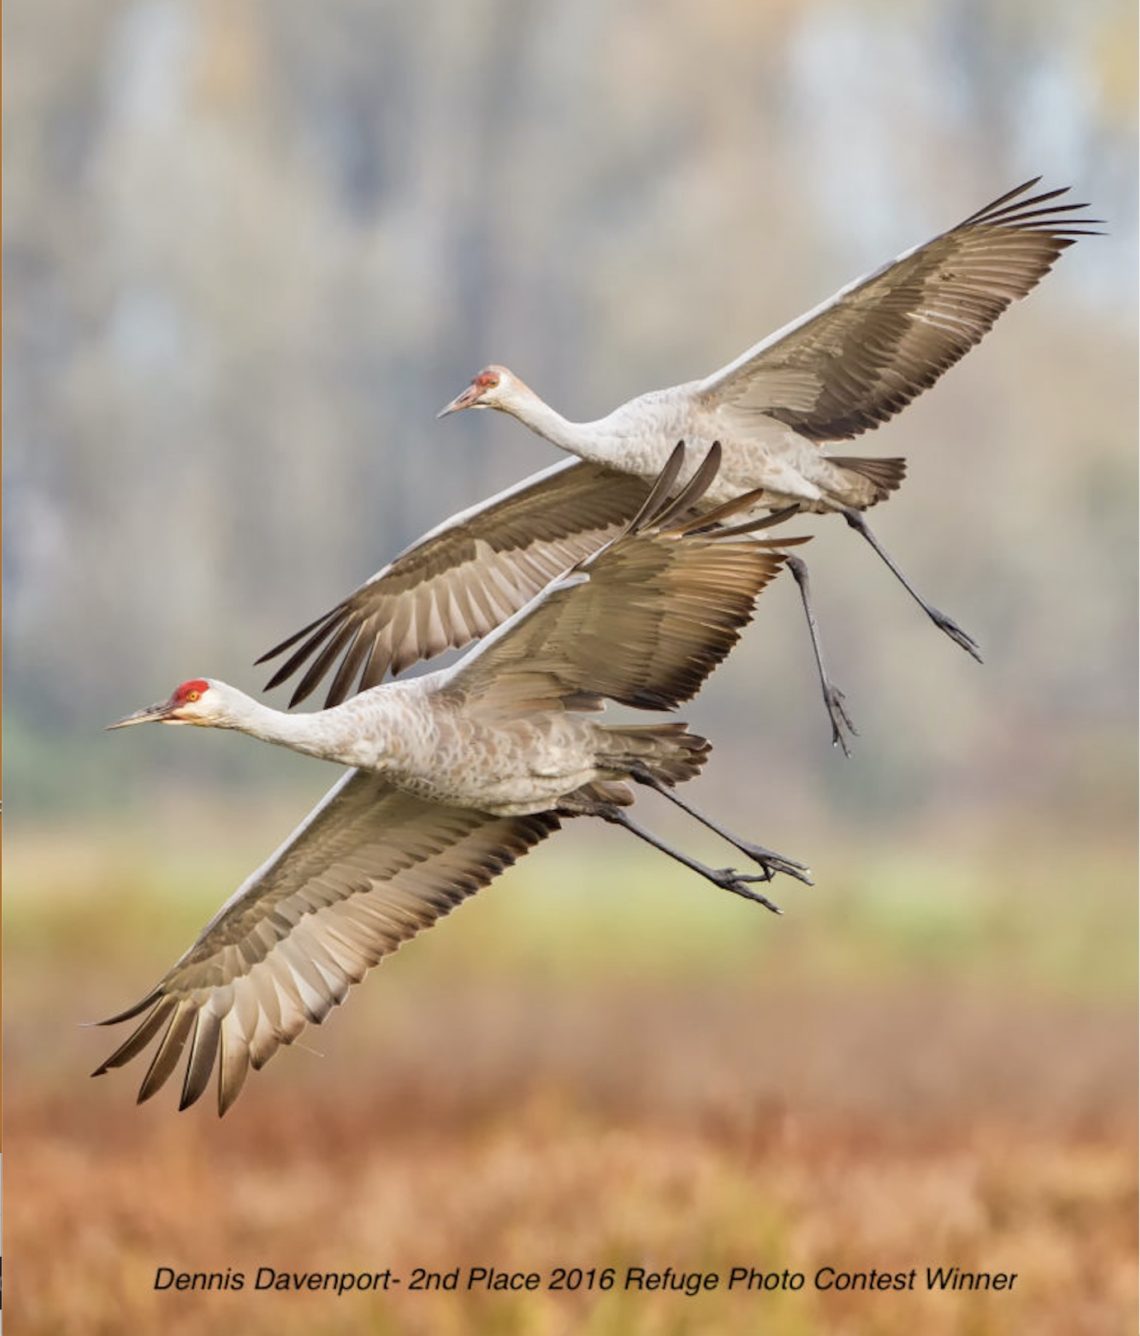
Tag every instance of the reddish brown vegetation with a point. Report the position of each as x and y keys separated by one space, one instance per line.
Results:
x=529 y=1126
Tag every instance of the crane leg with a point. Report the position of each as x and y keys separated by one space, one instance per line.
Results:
x=940 y=619
x=768 y=859
x=727 y=878
x=833 y=698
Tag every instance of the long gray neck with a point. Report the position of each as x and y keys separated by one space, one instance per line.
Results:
x=578 y=438
x=328 y=734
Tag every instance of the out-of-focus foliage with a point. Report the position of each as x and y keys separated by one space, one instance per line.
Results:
x=252 y=247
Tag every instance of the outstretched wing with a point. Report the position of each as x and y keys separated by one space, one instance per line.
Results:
x=367 y=869
x=642 y=622
x=463 y=578
x=864 y=354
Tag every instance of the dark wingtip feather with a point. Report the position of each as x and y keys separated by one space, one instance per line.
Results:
x=1012 y=210
x=1018 y=206
x=372 y=644
x=1037 y=214
x=1004 y=199
x=323 y=662
x=303 y=693
x=350 y=664
x=167 y=1054
x=131 y=1012
x=372 y=674
x=292 y=640
x=310 y=647
x=644 y=698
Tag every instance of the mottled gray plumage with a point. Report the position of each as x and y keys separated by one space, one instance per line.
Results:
x=457 y=774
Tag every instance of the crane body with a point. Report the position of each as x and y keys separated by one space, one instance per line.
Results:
x=456 y=775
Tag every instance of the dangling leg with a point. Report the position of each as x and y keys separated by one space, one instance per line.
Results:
x=727 y=878
x=832 y=697
x=944 y=623
x=770 y=861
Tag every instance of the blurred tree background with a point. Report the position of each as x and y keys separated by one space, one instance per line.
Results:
x=252 y=247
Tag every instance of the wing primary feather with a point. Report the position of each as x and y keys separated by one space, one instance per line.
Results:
x=693 y=490
x=1022 y=213
x=361 y=646
x=139 y=1038
x=711 y=518
x=996 y=214
x=369 y=677
x=232 y=1069
x=709 y=522
x=659 y=492
x=169 y=1049
x=1020 y=206
x=1009 y=194
x=309 y=647
x=297 y=635
x=153 y=996
x=322 y=663
x=752 y=526
x=203 y=1051
x=375 y=666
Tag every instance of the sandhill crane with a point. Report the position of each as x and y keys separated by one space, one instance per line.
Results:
x=456 y=775
x=840 y=370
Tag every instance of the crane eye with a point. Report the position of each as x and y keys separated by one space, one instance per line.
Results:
x=193 y=695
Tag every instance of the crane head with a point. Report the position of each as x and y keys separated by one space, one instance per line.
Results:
x=491 y=388
x=189 y=703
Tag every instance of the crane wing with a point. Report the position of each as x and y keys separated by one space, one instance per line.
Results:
x=642 y=622
x=367 y=869
x=860 y=357
x=463 y=578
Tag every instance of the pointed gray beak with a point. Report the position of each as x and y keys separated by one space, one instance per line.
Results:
x=464 y=400
x=151 y=714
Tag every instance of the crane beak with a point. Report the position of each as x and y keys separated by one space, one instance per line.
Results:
x=151 y=714
x=464 y=400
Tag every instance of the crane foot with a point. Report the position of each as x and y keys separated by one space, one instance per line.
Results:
x=955 y=632
x=728 y=879
x=841 y=724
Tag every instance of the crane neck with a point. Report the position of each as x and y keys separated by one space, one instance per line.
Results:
x=577 y=438
x=327 y=734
